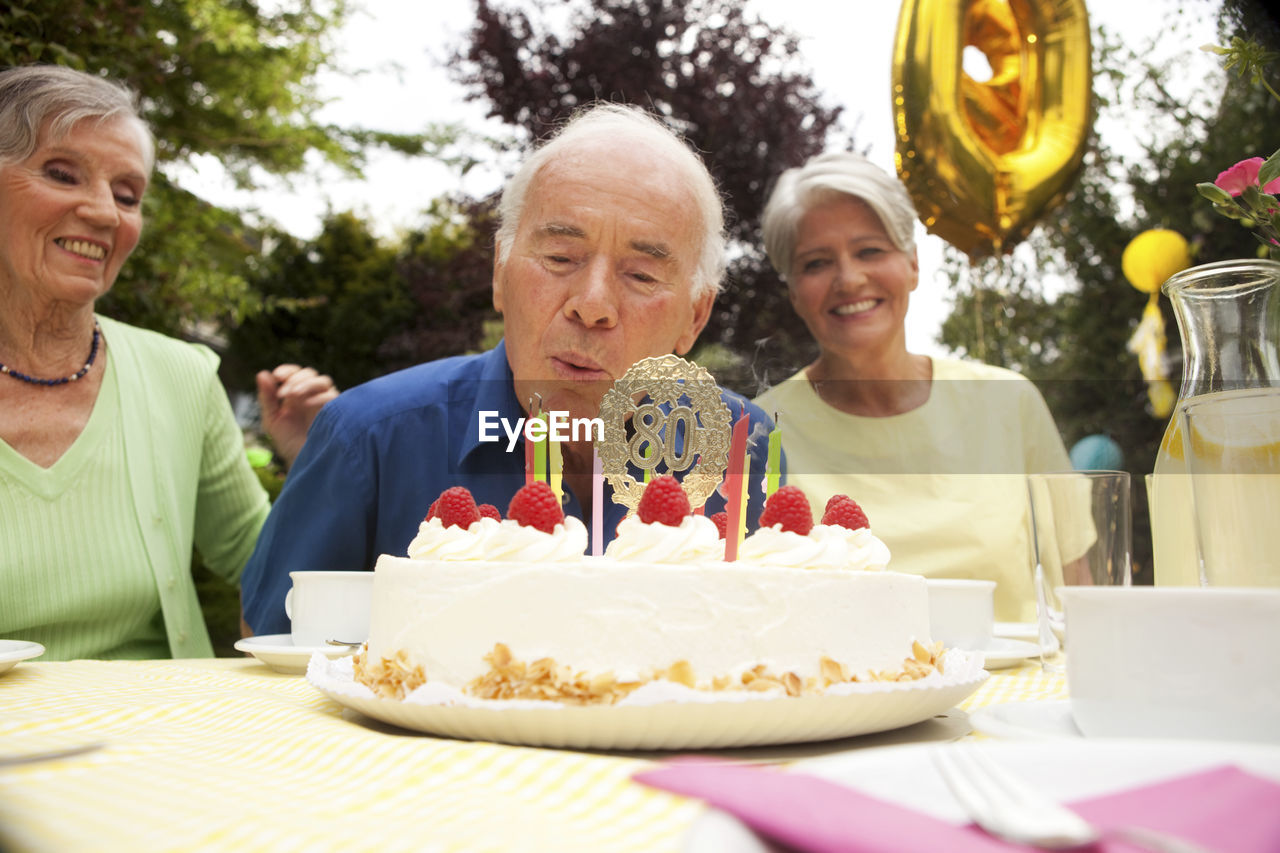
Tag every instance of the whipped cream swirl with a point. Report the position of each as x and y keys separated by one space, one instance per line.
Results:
x=696 y=540
x=499 y=541
x=826 y=547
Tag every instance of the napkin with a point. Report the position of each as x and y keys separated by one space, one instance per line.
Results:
x=1222 y=808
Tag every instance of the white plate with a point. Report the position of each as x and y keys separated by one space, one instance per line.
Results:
x=1003 y=653
x=665 y=725
x=1026 y=720
x=1017 y=630
x=278 y=652
x=1067 y=771
x=13 y=651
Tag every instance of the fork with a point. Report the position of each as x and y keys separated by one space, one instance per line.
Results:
x=1009 y=808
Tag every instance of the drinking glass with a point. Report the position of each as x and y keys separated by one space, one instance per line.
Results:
x=1081 y=531
x=1231 y=441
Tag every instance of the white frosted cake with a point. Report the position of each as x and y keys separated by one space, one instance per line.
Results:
x=501 y=609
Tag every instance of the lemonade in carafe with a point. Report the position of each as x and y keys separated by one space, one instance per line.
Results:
x=1229 y=320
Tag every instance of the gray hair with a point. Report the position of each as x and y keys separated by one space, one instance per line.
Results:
x=828 y=176
x=621 y=125
x=33 y=95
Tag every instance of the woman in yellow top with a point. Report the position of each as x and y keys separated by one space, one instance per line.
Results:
x=934 y=450
x=118 y=448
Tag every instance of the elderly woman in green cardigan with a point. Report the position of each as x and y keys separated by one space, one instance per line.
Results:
x=118 y=448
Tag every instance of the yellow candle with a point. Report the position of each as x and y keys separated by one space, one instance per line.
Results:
x=556 y=480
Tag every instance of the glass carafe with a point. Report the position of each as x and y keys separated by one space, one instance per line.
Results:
x=1229 y=320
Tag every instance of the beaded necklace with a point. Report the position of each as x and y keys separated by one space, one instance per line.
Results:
x=49 y=383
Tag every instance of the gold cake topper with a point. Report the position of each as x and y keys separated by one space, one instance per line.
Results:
x=678 y=435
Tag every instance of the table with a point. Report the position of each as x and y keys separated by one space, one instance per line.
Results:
x=225 y=754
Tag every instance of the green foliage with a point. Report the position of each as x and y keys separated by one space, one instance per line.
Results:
x=356 y=307
x=448 y=265
x=343 y=296
x=1249 y=59
x=220 y=602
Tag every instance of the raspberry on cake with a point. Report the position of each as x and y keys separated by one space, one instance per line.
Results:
x=664 y=502
x=844 y=511
x=789 y=508
x=536 y=505
x=456 y=507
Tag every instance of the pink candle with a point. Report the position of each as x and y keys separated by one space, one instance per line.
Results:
x=530 y=446
x=528 y=461
x=700 y=509
x=597 y=504
x=736 y=483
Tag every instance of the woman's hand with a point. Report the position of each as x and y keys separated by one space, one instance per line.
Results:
x=290 y=396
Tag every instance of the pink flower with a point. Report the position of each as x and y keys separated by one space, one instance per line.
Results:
x=1244 y=174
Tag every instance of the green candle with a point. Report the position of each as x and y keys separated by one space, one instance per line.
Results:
x=773 y=468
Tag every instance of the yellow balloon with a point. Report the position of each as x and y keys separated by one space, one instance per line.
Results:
x=1153 y=256
x=984 y=160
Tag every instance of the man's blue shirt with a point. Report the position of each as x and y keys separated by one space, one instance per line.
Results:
x=378 y=455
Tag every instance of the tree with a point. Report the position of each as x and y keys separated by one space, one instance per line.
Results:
x=342 y=296
x=732 y=84
x=448 y=267
x=227 y=79
x=357 y=307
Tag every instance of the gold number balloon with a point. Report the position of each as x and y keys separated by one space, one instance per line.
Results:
x=983 y=160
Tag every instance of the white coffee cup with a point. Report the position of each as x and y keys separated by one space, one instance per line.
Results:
x=325 y=606
x=962 y=612
x=1174 y=662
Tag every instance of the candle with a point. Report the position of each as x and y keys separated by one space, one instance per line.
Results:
x=555 y=469
x=700 y=509
x=773 y=468
x=736 y=482
x=528 y=460
x=597 y=503
x=539 y=448
x=530 y=447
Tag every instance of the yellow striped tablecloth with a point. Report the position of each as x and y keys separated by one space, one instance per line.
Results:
x=228 y=755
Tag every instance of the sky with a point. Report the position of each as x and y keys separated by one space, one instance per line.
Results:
x=847 y=45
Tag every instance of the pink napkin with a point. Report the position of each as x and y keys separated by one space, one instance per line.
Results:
x=1223 y=808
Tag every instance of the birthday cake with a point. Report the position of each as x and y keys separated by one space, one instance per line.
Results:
x=511 y=608
x=679 y=607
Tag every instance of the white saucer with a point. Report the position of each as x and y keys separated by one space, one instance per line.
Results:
x=1003 y=653
x=278 y=652
x=1017 y=630
x=12 y=651
x=1026 y=720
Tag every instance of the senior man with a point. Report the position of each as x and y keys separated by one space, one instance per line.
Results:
x=610 y=249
